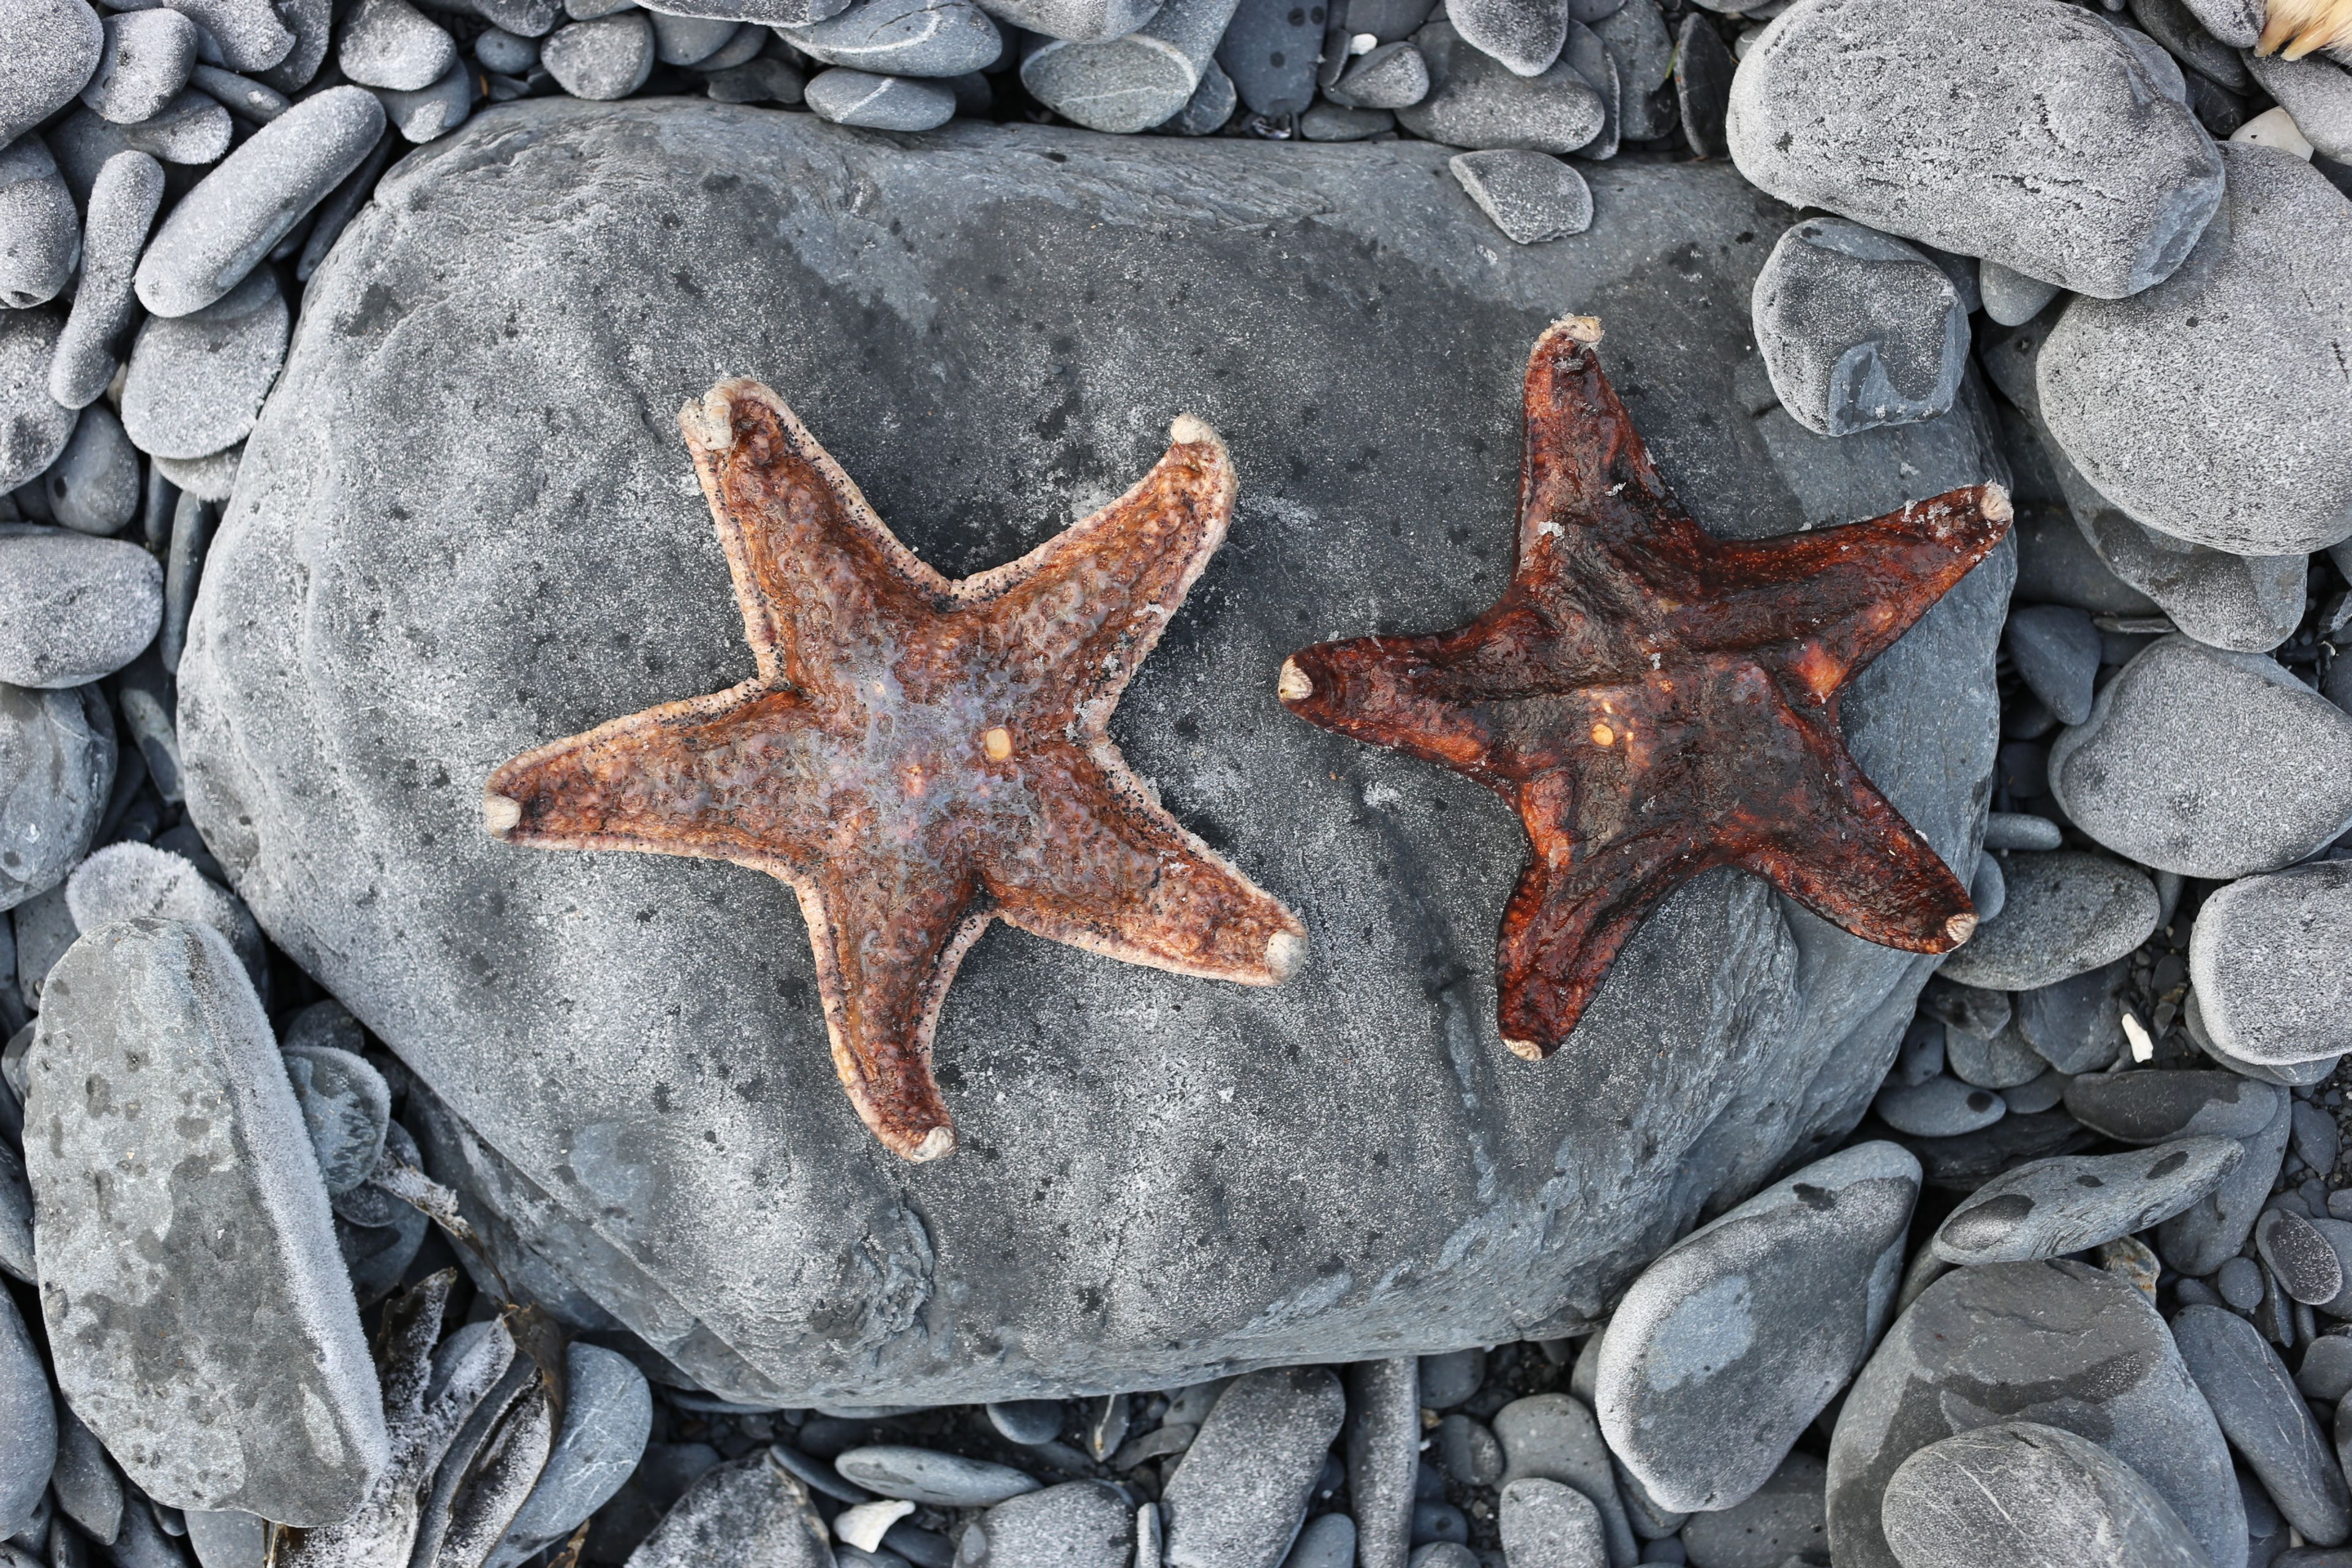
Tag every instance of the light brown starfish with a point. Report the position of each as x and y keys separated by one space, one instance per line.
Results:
x=916 y=756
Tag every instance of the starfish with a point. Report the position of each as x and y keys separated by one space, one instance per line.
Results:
x=1655 y=702
x=917 y=756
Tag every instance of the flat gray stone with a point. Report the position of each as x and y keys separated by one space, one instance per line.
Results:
x=1938 y=1106
x=138 y=881
x=1475 y=101
x=1241 y=1491
x=2004 y=1060
x=1858 y=328
x=2067 y=913
x=1271 y=52
x=904 y=38
x=52 y=46
x=1552 y=1437
x=72 y=608
x=40 y=233
x=88 y=1487
x=176 y=1205
x=1546 y=1186
x=221 y=230
x=2077 y=1024
x=1544 y=1524
x=28 y=1421
x=1781 y=1522
x=2051 y=1207
x=1078 y=1524
x=2316 y=93
x=2025 y=1495
x=196 y=381
x=2155 y=1106
x=747 y=1514
x=1080 y=21
x=56 y=766
x=604 y=58
x=1725 y=1348
x=2222 y=438
x=1531 y=196
x=2207 y=762
x=2299 y=1256
x=391 y=44
x=34 y=426
x=1135 y=80
x=2061 y=1343
x=2258 y=1405
x=2056 y=651
x=95 y=486
x=2022 y=131
x=928 y=1477
x=848 y=97
x=2210 y=1231
x=431 y=111
x=123 y=196
x=1383 y=1453
x=1523 y=35
x=2266 y=956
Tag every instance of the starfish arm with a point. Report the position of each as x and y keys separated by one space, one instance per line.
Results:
x=821 y=581
x=1107 y=870
x=888 y=934
x=1396 y=692
x=1582 y=465
x=707 y=777
x=1082 y=610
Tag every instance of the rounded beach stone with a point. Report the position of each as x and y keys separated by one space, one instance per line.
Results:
x=2153 y=1106
x=928 y=1477
x=1136 y=80
x=1476 y=102
x=248 y=35
x=1530 y=197
x=1554 y=1438
x=2047 y=1208
x=2316 y=93
x=34 y=426
x=2300 y=1258
x=1547 y=1525
x=1270 y=51
x=146 y=61
x=2067 y=912
x=1938 y=1107
x=509 y=53
x=1078 y=1524
x=123 y=197
x=2266 y=956
x=269 y=1402
x=607 y=1412
x=40 y=234
x=1028 y=1422
x=2010 y=296
x=747 y=1514
x=1523 y=35
x=391 y=44
x=196 y=381
x=1724 y=1349
x=138 y=881
x=57 y=764
x=689 y=40
x=1079 y=21
x=28 y=1422
x=2023 y=1495
x=2022 y=131
x=73 y=608
x=904 y=38
x=94 y=486
x=220 y=231
x=2255 y=1400
x=347 y=1107
x=1243 y=1485
x=1392 y=76
x=2223 y=437
x=2056 y=651
x=1857 y=329
x=848 y=97
x=431 y=111
x=2063 y=1343
x=192 y=129
x=608 y=56
x=51 y=48
x=2001 y=1060
x=1781 y=1522
x=2207 y=762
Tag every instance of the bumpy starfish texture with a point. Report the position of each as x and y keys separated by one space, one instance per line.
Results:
x=917 y=756
x=1655 y=702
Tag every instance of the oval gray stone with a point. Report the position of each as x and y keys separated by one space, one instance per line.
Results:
x=2022 y=131
x=56 y=766
x=2047 y=1208
x=2023 y=1495
x=51 y=48
x=2266 y=956
x=347 y=1106
x=1078 y=1524
x=1524 y=35
x=1475 y=101
x=2067 y=913
x=607 y=1415
x=1858 y=330
x=1241 y=1491
x=2149 y=1106
x=847 y=97
x=138 y=881
x=40 y=233
x=146 y=60
x=1079 y=21
x=928 y=1477
x=72 y=608
x=1939 y=1106
x=1135 y=80
x=1725 y=1348
x=2257 y=1403
x=604 y=58
x=391 y=44
x=268 y=1401
x=123 y=196
x=904 y=38
x=34 y=426
x=747 y=1514
x=28 y=1422
x=95 y=486
x=2004 y=1060
x=1547 y=1525
x=196 y=381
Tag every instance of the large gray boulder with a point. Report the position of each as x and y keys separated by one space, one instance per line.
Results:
x=436 y=560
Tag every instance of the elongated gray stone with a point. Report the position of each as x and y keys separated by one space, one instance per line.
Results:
x=2210 y=1232
x=189 y=1274
x=56 y=766
x=72 y=608
x=146 y=60
x=927 y=1476
x=1135 y=80
x=40 y=233
x=196 y=380
x=123 y=197
x=2066 y=913
x=2048 y=1208
x=1383 y=1451
x=34 y=426
x=51 y=48
x=1238 y=1497
x=2256 y=1402
x=2022 y=1495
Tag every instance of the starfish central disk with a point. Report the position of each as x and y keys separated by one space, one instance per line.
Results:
x=917 y=756
x=1655 y=701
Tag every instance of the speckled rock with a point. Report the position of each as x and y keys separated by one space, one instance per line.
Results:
x=847 y=97
x=2316 y=91
x=94 y=487
x=2258 y=1405
x=196 y=380
x=52 y=46
x=138 y=881
x=1524 y=35
x=1531 y=196
x=57 y=764
x=1135 y=80
x=2266 y=957
x=34 y=426
x=1475 y=101
x=2066 y=913
x=904 y=38
x=1078 y=1524
x=1781 y=1520
x=432 y=111
x=146 y=60
x=2025 y=1495
x=123 y=196
x=747 y=1514
x=391 y=44
x=2231 y=439
x=40 y=233
x=73 y=608
x=2047 y=1208
x=2061 y=1343
x=1544 y=1524
x=604 y=58
x=2207 y=762
x=1538 y=1191
x=2210 y=1231
x=177 y=1203
x=1858 y=328
x=1241 y=1491
x=1728 y=1345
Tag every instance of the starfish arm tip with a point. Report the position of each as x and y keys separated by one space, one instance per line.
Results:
x=1996 y=504
x=936 y=1144
x=500 y=812
x=1190 y=430
x=1585 y=329
x=1285 y=951
x=1526 y=1051
x=1293 y=684
x=1959 y=928
x=708 y=422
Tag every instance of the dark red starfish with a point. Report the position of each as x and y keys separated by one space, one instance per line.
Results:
x=1655 y=702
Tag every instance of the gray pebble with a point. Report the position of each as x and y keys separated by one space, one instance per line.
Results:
x=146 y=61
x=2237 y=23
x=1028 y=1422
x=1636 y=36
x=1328 y=1542
x=43 y=929
x=849 y=97
x=1078 y=1524
x=2020 y=1492
x=196 y=381
x=1969 y=1007
x=2020 y=830
x=2316 y=1137
x=122 y=201
x=94 y=487
x=248 y=35
x=2056 y=651
x=2266 y=956
x=1451 y=1378
x=313 y=24
x=182 y=567
x=1270 y=49
x=1780 y=1522
x=925 y=1476
x=2004 y=1061
x=1988 y=888
x=1134 y=82
x=2326 y=1371
x=690 y=40
x=1079 y=21
x=1920 y=1057
x=904 y=38
x=1476 y=102
x=2222 y=438
x=1552 y=1437
x=1212 y=104
x=1471 y=1456
x=2257 y=1403
x=2067 y=912
x=2199 y=1240
x=1703 y=77
x=744 y=47
x=1524 y=35
x=500 y=50
x=72 y=608
x=1592 y=59
x=2051 y=1207
x=1337 y=122
x=2207 y=762
x=343 y=203
x=1392 y=76
x=210 y=477
x=391 y=44
x=2173 y=26
x=1857 y=330
x=34 y=426
x=1243 y=1486
x=1544 y=1524
x=2153 y=1105
x=2239 y=1281
x=2316 y=93
x=1383 y=1453
x=2017 y=130
x=2300 y=1258
x=86 y=1485
x=220 y=231
x=431 y=111
x=16 y=1220
x=28 y=1422
x=1938 y=1107
x=240 y=95
x=347 y=1107
x=56 y=767
x=51 y=48
x=747 y=1514
x=1530 y=197
x=607 y=1412
x=2010 y=296
x=2292 y=1073
x=138 y=881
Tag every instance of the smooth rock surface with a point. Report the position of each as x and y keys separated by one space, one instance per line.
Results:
x=1552 y=1437
x=2201 y=1239
x=94 y=487
x=1523 y=35
x=928 y=1477
x=2050 y=1207
x=607 y=1414
x=52 y=46
x=1857 y=329
x=2231 y=439
x=1727 y=1347
x=1781 y=1520
x=123 y=196
x=1543 y=1188
x=2025 y=132
x=1078 y=1524
x=2061 y=1343
x=2067 y=913
x=138 y=881
x=40 y=233
x=1239 y=1495
x=2316 y=92
x=2207 y=762
x=604 y=58
x=2025 y=1495
x=1383 y=1453
x=56 y=766
x=196 y=381
x=1938 y=1106
x=905 y=38
x=1544 y=1524
x=847 y=97
x=1133 y=81
x=72 y=608
x=2266 y=956
x=391 y=44
x=28 y=1419
x=747 y=1514
x=1475 y=101
x=2258 y=1405
x=34 y=426
x=189 y=1274
x=2153 y=1105
x=1532 y=197
x=2057 y=651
